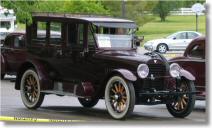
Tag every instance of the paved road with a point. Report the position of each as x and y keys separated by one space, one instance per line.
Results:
x=68 y=108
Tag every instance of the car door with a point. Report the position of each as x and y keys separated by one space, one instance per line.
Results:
x=82 y=60
x=15 y=52
x=190 y=37
x=179 y=41
x=5 y=53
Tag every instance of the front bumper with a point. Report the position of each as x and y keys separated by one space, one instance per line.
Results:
x=165 y=93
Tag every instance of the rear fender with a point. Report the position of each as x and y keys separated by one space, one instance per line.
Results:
x=45 y=81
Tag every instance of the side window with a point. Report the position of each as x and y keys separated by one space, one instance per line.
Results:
x=40 y=33
x=91 y=41
x=181 y=35
x=192 y=35
x=80 y=33
x=55 y=33
x=197 y=51
x=19 y=41
x=72 y=34
x=8 y=41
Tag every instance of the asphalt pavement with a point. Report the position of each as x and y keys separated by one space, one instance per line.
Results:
x=68 y=108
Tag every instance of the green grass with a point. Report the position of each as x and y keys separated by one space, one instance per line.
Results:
x=157 y=29
x=21 y=26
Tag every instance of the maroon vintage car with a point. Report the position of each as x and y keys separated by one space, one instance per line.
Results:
x=193 y=61
x=13 y=53
x=94 y=57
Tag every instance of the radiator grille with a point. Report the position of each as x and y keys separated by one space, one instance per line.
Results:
x=157 y=69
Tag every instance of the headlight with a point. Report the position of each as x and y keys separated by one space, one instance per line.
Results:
x=174 y=70
x=143 y=70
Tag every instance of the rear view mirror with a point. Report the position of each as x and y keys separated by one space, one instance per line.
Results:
x=174 y=38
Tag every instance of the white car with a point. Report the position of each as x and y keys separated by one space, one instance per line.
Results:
x=177 y=41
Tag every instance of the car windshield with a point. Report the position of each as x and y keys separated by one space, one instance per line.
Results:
x=114 y=41
x=114 y=38
x=171 y=36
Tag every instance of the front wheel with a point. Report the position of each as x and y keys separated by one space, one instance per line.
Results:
x=183 y=105
x=119 y=97
x=31 y=95
x=162 y=48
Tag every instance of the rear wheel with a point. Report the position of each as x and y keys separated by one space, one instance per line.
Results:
x=183 y=105
x=119 y=97
x=88 y=102
x=31 y=96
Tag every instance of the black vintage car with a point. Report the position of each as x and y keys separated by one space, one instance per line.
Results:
x=95 y=57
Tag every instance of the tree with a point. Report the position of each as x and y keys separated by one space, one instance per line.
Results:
x=135 y=10
x=139 y=11
x=24 y=9
x=163 y=8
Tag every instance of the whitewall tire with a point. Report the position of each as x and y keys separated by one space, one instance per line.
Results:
x=119 y=97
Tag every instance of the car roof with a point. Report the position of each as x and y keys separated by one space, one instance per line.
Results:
x=187 y=31
x=95 y=19
x=90 y=18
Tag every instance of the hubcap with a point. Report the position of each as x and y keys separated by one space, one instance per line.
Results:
x=118 y=97
x=162 y=48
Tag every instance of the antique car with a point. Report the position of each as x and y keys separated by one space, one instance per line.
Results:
x=95 y=57
x=13 y=53
x=193 y=61
x=176 y=41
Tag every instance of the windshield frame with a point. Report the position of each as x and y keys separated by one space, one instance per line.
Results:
x=93 y=27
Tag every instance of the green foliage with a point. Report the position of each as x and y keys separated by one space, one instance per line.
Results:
x=23 y=9
x=163 y=8
x=138 y=11
x=88 y=7
x=134 y=10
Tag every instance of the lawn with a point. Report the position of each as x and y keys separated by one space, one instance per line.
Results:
x=157 y=29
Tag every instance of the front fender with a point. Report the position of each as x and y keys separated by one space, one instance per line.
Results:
x=187 y=74
x=126 y=74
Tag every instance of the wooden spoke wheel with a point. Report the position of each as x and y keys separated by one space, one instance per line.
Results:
x=119 y=97
x=30 y=89
x=182 y=105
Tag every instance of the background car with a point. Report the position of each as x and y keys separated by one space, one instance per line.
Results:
x=13 y=53
x=193 y=61
x=177 y=41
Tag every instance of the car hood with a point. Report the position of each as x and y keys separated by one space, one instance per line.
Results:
x=129 y=57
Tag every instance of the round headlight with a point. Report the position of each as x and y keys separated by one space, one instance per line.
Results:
x=143 y=70
x=174 y=70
